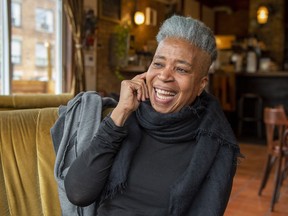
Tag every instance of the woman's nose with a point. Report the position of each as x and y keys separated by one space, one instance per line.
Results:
x=166 y=75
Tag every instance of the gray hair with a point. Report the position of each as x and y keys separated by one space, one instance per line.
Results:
x=192 y=30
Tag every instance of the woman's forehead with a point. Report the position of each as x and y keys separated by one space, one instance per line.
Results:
x=180 y=48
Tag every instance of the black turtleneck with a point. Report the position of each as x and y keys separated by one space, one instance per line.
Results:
x=154 y=168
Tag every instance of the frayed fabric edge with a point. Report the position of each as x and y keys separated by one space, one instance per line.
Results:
x=111 y=192
x=238 y=155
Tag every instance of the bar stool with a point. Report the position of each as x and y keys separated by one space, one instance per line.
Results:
x=250 y=109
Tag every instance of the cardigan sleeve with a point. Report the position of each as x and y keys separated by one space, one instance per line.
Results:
x=88 y=174
x=213 y=196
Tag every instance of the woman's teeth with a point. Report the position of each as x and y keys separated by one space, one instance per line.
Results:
x=163 y=94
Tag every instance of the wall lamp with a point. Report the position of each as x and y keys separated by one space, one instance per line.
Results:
x=262 y=14
x=139 y=18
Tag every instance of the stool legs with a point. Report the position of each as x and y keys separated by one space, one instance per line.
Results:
x=269 y=164
x=259 y=117
x=276 y=192
x=278 y=178
x=256 y=118
x=240 y=116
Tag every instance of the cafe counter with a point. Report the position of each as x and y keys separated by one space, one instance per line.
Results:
x=271 y=86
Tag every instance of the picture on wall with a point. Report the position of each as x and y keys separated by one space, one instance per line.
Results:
x=110 y=10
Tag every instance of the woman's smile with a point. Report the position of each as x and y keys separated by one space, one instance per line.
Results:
x=164 y=96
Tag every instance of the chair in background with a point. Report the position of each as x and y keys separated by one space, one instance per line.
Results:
x=275 y=121
x=285 y=143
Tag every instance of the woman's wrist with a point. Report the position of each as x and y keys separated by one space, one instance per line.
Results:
x=119 y=116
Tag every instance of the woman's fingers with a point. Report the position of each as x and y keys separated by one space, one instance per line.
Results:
x=141 y=81
x=141 y=76
x=133 y=92
x=139 y=89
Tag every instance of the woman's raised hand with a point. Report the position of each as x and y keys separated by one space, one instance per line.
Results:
x=131 y=94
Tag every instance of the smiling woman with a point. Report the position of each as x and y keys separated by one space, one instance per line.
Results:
x=165 y=128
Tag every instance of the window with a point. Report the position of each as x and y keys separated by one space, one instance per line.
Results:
x=28 y=58
x=41 y=55
x=44 y=20
x=16 y=51
x=15 y=14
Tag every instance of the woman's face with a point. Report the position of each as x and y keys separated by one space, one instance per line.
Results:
x=176 y=75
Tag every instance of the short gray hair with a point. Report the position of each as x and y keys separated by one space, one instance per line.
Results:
x=192 y=30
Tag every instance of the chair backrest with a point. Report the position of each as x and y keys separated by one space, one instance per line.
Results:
x=223 y=87
x=275 y=121
x=27 y=157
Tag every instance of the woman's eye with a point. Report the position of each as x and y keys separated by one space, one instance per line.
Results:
x=157 y=64
x=181 y=70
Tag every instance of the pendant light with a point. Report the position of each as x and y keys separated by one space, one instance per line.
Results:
x=139 y=17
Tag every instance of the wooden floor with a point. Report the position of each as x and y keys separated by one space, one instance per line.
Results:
x=244 y=200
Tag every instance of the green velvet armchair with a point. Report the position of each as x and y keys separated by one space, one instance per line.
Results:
x=27 y=156
x=27 y=183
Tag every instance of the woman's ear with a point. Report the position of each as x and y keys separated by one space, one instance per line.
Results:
x=203 y=83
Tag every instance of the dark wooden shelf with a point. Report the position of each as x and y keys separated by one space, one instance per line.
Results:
x=264 y=74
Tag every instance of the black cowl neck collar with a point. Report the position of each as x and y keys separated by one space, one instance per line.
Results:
x=171 y=127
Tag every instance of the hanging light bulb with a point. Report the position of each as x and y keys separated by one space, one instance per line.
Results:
x=139 y=17
x=262 y=15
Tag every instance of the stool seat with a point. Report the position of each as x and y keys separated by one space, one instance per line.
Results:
x=250 y=109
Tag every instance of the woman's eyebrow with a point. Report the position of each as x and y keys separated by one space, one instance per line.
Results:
x=159 y=57
x=177 y=60
x=184 y=62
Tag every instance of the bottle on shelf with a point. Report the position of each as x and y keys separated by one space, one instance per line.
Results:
x=253 y=54
x=251 y=60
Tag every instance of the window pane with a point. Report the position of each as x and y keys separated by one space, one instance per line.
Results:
x=40 y=55
x=15 y=14
x=16 y=51
x=44 y=20
x=36 y=52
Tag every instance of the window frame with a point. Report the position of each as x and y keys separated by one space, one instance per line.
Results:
x=5 y=67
